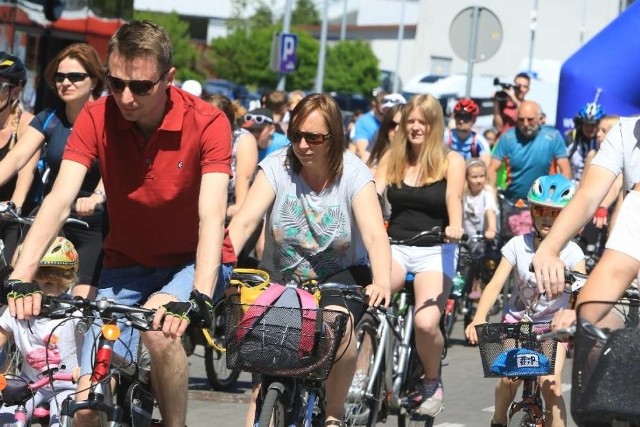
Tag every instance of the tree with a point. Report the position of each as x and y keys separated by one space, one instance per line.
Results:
x=185 y=55
x=351 y=66
x=244 y=57
x=305 y=13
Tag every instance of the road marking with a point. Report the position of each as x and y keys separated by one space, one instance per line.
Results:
x=566 y=387
x=489 y=409
x=449 y=425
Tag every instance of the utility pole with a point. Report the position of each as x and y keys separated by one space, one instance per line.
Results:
x=323 y=48
x=286 y=27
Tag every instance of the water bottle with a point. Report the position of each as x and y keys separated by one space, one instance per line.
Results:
x=458 y=285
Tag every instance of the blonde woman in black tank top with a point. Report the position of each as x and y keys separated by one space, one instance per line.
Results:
x=424 y=182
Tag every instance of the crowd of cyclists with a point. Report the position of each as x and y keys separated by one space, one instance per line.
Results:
x=147 y=165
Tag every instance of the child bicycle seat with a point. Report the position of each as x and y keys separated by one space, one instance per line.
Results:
x=520 y=362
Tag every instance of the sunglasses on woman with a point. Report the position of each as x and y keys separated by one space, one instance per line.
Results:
x=137 y=87
x=257 y=118
x=311 y=137
x=74 y=77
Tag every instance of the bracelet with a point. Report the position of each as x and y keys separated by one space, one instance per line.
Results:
x=101 y=194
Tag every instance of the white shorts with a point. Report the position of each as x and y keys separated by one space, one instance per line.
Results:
x=625 y=235
x=416 y=259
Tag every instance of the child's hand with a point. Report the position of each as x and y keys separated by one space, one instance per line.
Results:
x=75 y=374
x=490 y=234
x=563 y=319
x=471 y=333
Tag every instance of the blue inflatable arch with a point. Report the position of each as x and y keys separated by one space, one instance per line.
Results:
x=609 y=64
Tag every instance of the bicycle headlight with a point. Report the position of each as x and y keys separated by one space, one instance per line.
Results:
x=111 y=332
x=3 y=382
x=490 y=264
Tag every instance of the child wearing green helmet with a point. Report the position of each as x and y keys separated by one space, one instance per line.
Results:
x=46 y=343
x=547 y=196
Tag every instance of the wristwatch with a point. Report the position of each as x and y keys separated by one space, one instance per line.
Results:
x=101 y=194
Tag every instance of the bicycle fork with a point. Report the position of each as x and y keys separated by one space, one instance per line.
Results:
x=531 y=402
x=403 y=351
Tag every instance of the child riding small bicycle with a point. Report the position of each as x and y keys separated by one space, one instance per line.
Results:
x=46 y=344
x=547 y=196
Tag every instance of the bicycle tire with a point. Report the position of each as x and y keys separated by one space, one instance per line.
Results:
x=521 y=418
x=412 y=375
x=362 y=410
x=272 y=413
x=219 y=376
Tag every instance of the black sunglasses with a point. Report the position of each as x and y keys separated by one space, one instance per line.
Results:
x=310 y=137
x=137 y=87
x=72 y=77
x=258 y=118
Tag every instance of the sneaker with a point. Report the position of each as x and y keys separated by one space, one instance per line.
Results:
x=494 y=424
x=432 y=398
x=358 y=385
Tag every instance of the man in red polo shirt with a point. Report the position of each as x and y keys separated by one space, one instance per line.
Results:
x=165 y=161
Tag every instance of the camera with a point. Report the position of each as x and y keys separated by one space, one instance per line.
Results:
x=502 y=96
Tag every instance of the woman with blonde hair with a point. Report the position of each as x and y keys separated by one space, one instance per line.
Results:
x=424 y=182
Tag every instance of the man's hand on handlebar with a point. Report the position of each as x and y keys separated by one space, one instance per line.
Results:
x=549 y=270
x=23 y=298
x=174 y=317
x=378 y=295
x=563 y=319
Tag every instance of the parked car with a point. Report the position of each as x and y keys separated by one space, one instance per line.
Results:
x=422 y=83
x=231 y=90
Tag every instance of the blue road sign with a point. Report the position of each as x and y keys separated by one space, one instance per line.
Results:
x=288 y=47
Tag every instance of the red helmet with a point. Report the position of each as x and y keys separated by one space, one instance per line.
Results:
x=466 y=105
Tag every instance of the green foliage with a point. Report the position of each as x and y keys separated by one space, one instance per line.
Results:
x=185 y=54
x=305 y=13
x=351 y=66
x=244 y=57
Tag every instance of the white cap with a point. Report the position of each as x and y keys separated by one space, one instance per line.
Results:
x=392 y=99
x=193 y=87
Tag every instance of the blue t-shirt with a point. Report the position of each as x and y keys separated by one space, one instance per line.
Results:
x=278 y=141
x=366 y=127
x=526 y=161
x=478 y=142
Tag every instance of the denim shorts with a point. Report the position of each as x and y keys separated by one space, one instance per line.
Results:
x=134 y=285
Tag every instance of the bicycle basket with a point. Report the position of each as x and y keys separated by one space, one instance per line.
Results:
x=271 y=345
x=512 y=350
x=606 y=363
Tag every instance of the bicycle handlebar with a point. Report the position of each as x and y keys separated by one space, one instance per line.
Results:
x=9 y=213
x=565 y=333
x=62 y=307
x=574 y=280
x=434 y=232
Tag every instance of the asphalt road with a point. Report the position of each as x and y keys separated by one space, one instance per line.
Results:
x=468 y=395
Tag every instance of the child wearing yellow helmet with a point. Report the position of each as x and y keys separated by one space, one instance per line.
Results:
x=46 y=343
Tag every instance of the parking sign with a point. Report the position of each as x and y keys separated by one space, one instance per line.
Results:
x=288 y=46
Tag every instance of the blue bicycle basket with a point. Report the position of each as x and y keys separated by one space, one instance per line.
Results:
x=520 y=362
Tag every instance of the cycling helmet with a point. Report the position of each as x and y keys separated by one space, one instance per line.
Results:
x=553 y=191
x=466 y=105
x=12 y=69
x=60 y=254
x=591 y=112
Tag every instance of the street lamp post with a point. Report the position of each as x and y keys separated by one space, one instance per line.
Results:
x=323 y=48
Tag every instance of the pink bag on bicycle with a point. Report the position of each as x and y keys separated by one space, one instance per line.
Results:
x=280 y=314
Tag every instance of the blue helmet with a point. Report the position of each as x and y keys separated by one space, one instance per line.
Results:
x=591 y=112
x=553 y=191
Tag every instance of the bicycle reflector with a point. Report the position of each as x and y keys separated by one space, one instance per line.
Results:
x=520 y=204
x=110 y=332
x=3 y=382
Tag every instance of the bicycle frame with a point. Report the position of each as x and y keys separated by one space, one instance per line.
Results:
x=531 y=402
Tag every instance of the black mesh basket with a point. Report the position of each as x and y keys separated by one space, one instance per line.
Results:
x=606 y=363
x=512 y=350
x=277 y=343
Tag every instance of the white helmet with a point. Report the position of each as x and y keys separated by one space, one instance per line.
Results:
x=193 y=87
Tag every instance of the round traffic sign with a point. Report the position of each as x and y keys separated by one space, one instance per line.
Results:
x=487 y=39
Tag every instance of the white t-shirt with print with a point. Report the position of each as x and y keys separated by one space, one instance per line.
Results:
x=519 y=252
x=44 y=343
x=619 y=152
x=312 y=234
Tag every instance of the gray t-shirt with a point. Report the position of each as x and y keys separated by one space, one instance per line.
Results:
x=313 y=235
x=619 y=152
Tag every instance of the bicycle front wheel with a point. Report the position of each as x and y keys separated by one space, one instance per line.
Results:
x=272 y=413
x=362 y=406
x=215 y=361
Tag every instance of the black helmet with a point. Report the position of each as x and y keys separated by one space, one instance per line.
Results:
x=12 y=69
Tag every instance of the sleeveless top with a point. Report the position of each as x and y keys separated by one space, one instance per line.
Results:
x=6 y=191
x=416 y=209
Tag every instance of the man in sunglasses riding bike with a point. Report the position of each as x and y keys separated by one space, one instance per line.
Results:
x=164 y=157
